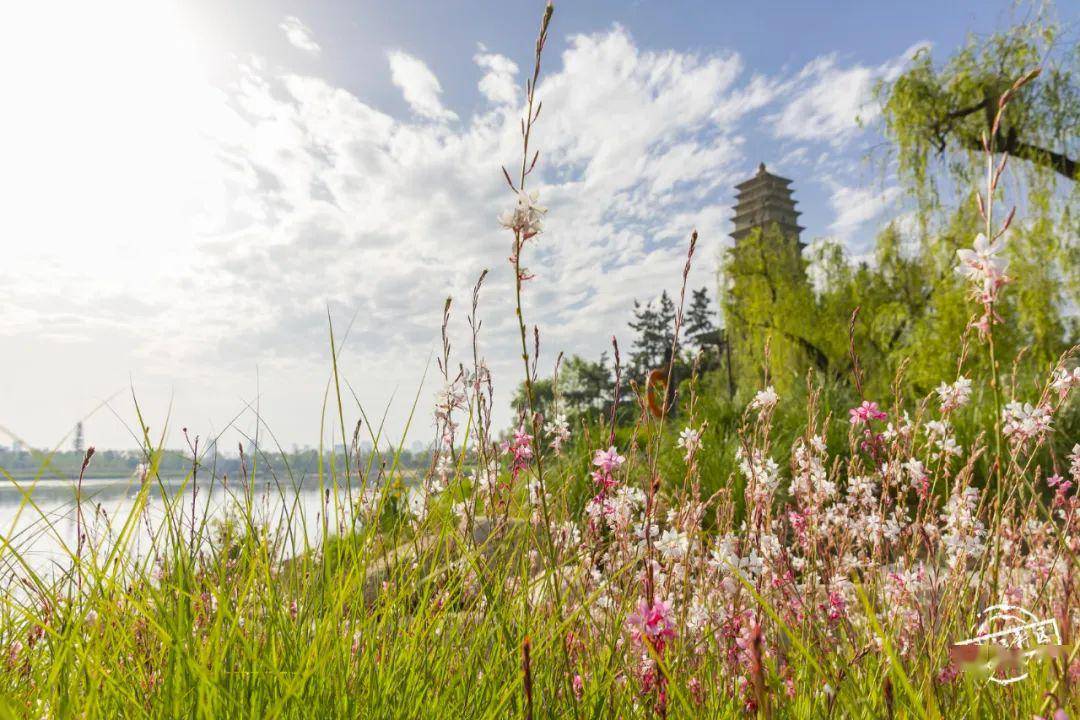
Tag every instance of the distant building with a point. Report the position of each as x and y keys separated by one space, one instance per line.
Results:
x=765 y=200
x=78 y=445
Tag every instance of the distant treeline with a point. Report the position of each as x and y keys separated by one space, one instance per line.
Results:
x=65 y=465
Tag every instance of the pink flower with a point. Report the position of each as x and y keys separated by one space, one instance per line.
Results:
x=1063 y=486
x=654 y=623
x=521 y=448
x=608 y=460
x=836 y=607
x=865 y=413
x=579 y=686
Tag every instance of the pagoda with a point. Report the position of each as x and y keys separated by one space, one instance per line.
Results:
x=761 y=202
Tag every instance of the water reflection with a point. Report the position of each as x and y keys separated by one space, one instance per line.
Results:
x=38 y=522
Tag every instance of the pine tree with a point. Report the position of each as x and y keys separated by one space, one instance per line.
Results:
x=665 y=327
x=655 y=326
x=643 y=350
x=700 y=329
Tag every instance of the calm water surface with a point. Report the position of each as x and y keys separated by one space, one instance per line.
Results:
x=38 y=522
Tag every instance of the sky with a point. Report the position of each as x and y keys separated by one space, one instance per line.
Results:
x=194 y=191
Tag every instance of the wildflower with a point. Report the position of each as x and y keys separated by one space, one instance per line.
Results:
x=579 y=686
x=536 y=497
x=901 y=430
x=919 y=479
x=690 y=442
x=450 y=398
x=606 y=463
x=836 y=607
x=487 y=478
x=964 y=532
x=956 y=395
x=521 y=449
x=369 y=500
x=1062 y=488
x=983 y=260
x=1064 y=380
x=937 y=428
x=752 y=563
x=526 y=217
x=558 y=430
x=865 y=413
x=984 y=267
x=444 y=468
x=653 y=622
x=697 y=618
x=673 y=544
x=1023 y=421
x=416 y=504
x=764 y=399
x=608 y=460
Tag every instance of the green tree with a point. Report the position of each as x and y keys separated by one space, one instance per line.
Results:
x=941 y=111
x=700 y=329
x=543 y=396
x=585 y=388
x=768 y=302
x=655 y=327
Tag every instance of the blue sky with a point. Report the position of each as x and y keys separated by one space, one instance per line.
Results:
x=194 y=185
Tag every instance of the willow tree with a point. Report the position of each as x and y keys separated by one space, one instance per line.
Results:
x=769 y=303
x=937 y=115
x=941 y=112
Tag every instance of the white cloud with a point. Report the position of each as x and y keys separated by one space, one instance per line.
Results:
x=856 y=206
x=419 y=86
x=499 y=83
x=310 y=198
x=830 y=101
x=299 y=35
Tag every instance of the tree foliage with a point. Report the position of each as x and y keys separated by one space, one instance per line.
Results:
x=944 y=111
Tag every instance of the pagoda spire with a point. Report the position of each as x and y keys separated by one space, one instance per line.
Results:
x=763 y=201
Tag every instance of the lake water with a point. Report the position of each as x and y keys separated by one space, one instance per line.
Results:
x=44 y=533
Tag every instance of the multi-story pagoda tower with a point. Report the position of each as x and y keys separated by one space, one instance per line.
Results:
x=765 y=200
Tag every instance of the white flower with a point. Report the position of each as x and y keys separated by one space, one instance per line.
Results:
x=982 y=261
x=673 y=544
x=526 y=217
x=690 y=442
x=764 y=399
x=697 y=617
x=902 y=428
x=416 y=504
x=558 y=430
x=949 y=446
x=916 y=470
x=1023 y=421
x=1064 y=380
x=937 y=428
x=534 y=492
x=752 y=562
x=956 y=395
